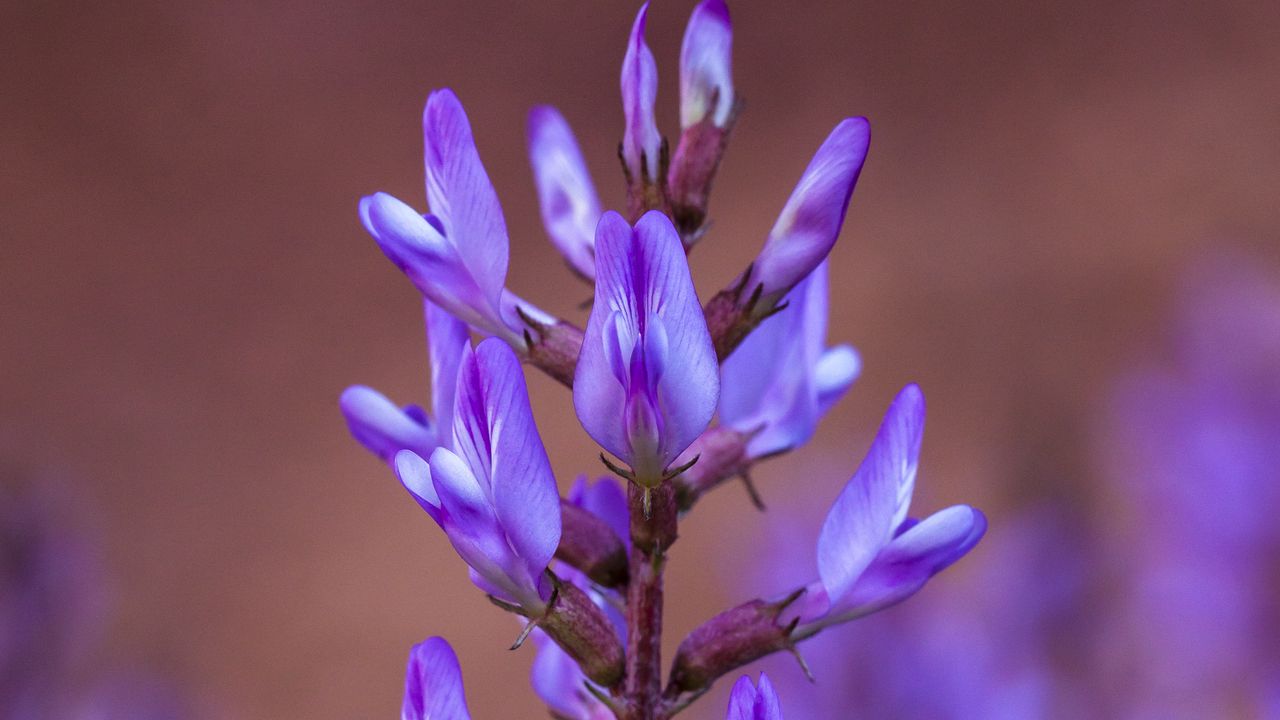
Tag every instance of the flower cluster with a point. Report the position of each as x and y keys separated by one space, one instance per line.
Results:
x=649 y=373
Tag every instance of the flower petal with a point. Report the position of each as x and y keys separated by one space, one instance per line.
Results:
x=643 y=280
x=772 y=383
x=810 y=222
x=495 y=433
x=639 y=91
x=414 y=473
x=873 y=502
x=461 y=195
x=446 y=339
x=566 y=195
x=705 y=75
x=559 y=682
x=598 y=396
x=476 y=533
x=433 y=684
x=383 y=427
x=924 y=550
x=748 y=702
x=604 y=499
x=416 y=246
x=835 y=372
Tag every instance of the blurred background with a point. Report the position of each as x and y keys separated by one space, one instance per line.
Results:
x=1067 y=232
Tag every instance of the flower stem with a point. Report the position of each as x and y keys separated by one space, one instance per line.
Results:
x=650 y=538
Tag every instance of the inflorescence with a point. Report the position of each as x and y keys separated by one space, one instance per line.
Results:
x=652 y=368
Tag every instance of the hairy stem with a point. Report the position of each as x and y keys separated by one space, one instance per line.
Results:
x=650 y=538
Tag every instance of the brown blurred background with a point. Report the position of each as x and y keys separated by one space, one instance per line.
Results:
x=186 y=287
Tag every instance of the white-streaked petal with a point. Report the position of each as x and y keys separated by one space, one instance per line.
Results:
x=872 y=504
x=705 y=67
x=810 y=222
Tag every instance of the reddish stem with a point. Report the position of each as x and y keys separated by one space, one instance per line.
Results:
x=650 y=538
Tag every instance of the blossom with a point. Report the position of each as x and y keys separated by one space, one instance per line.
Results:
x=870 y=554
x=384 y=428
x=809 y=223
x=750 y=702
x=606 y=501
x=1006 y=618
x=456 y=257
x=706 y=83
x=641 y=141
x=561 y=684
x=492 y=492
x=433 y=684
x=566 y=195
x=781 y=380
x=647 y=379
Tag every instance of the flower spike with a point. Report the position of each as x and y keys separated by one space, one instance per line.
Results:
x=433 y=684
x=647 y=379
x=566 y=195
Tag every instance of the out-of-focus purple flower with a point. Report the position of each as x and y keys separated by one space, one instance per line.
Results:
x=566 y=195
x=641 y=141
x=457 y=256
x=810 y=222
x=706 y=79
x=870 y=554
x=751 y=702
x=133 y=696
x=384 y=428
x=493 y=493
x=51 y=599
x=433 y=684
x=1196 y=447
x=647 y=379
x=783 y=378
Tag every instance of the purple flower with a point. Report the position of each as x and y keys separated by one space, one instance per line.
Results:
x=386 y=429
x=556 y=677
x=1195 y=445
x=647 y=379
x=606 y=501
x=457 y=257
x=433 y=684
x=749 y=702
x=870 y=554
x=706 y=82
x=1003 y=618
x=493 y=492
x=560 y=683
x=641 y=141
x=782 y=378
x=570 y=208
x=810 y=222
